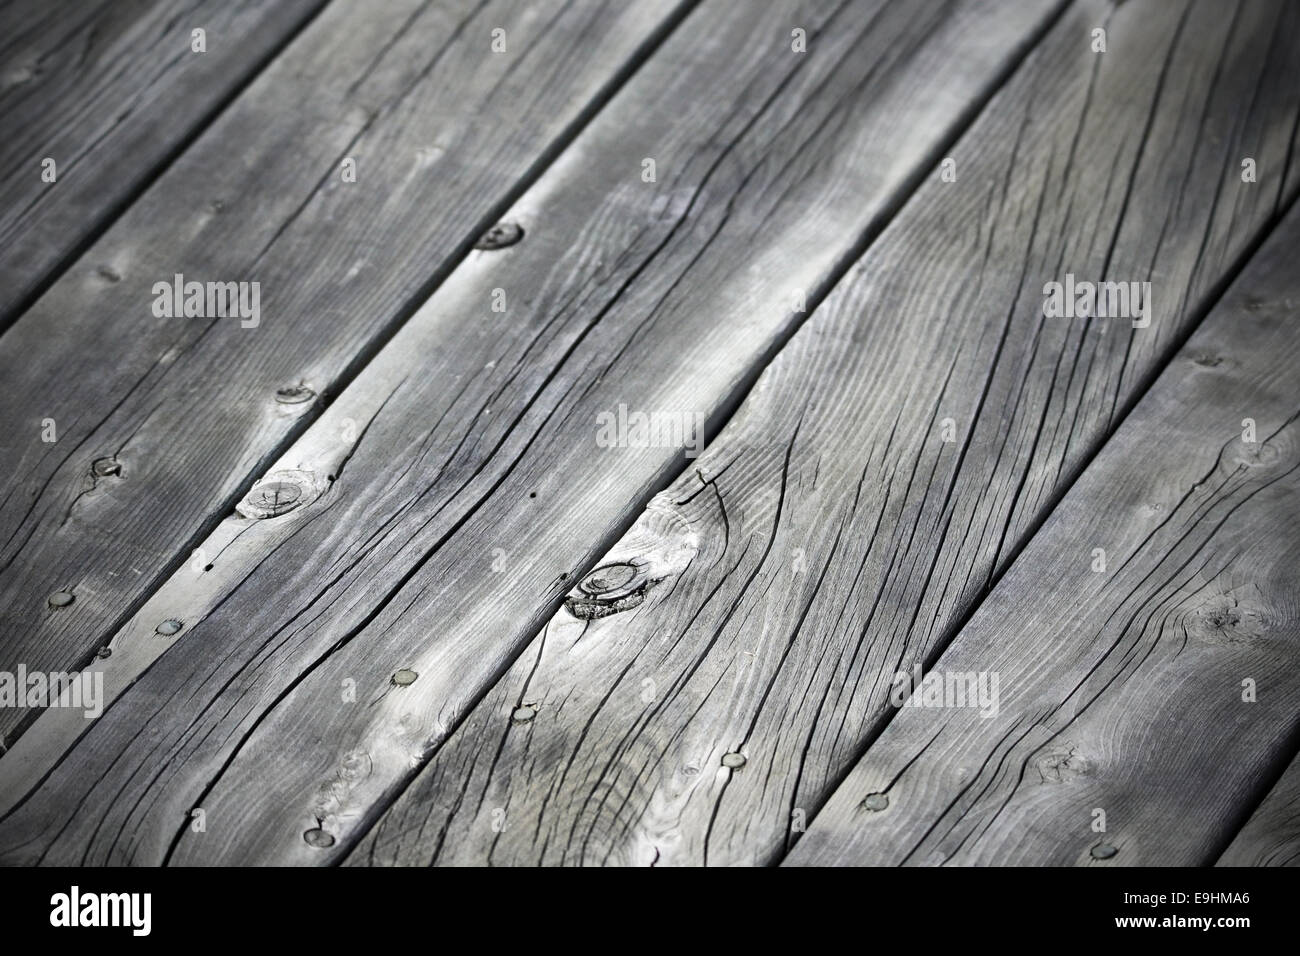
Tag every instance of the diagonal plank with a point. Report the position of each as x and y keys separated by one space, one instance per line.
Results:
x=830 y=536
x=109 y=92
x=1271 y=837
x=1154 y=693
x=185 y=411
x=473 y=446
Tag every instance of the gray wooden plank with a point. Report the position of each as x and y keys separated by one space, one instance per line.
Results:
x=109 y=92
x=1141 y=706
x=472 y=487
x=1271 y=837
x=444 y=132
x=830 y=536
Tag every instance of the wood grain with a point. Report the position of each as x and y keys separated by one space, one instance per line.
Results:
x=468 y=500
x=830 y=537
x=444 y=132
x=1271 y=837
x=1158 y=691
x=110 y=92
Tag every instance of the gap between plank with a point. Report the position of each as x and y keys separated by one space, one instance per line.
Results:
x=1212 y=297
x=727 y=408
x=363 y=357
x=1262 y=791
x=151 y=176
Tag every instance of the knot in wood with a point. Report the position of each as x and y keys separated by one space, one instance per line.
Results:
x=294 y=394
x=875 y=802
x=276 y=495
x=318 y=838
x=608 y=590
x=500 y=236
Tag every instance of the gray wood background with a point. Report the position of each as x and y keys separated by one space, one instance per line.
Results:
x=322 y=564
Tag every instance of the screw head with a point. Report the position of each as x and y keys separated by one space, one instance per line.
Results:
x=522 y=715
x=875 y=802
x=404 y=677
x=500 y=236
x=61 y=598
x=1103 y=851
x=319 y=838
x=169 y=627
x=294 y=394
x=106 y=467
x=733 y=761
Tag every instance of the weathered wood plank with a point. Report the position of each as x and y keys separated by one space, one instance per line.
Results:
x=831 y=537
x=1271 y=837
x=663 y=295
x=109 y=92
x=189 y=410
x=1149 y=697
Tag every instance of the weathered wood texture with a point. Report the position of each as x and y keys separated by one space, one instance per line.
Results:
x=830 y=536
x=466 y=501
x=1271 y=837
x=110 y=92
x=1159 y=690
x=444 y=132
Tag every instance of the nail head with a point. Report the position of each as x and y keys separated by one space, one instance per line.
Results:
x=733 y=761
x=61 y=598
x=169 y=627
x=1103 y=851
x=106 y=467
x=404 y=677
x=875 y=802
x=524 y=714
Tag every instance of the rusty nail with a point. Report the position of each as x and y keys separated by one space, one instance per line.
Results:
x=500 y=236
x=61 y=598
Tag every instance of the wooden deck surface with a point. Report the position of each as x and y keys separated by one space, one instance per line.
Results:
x=904 y=567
